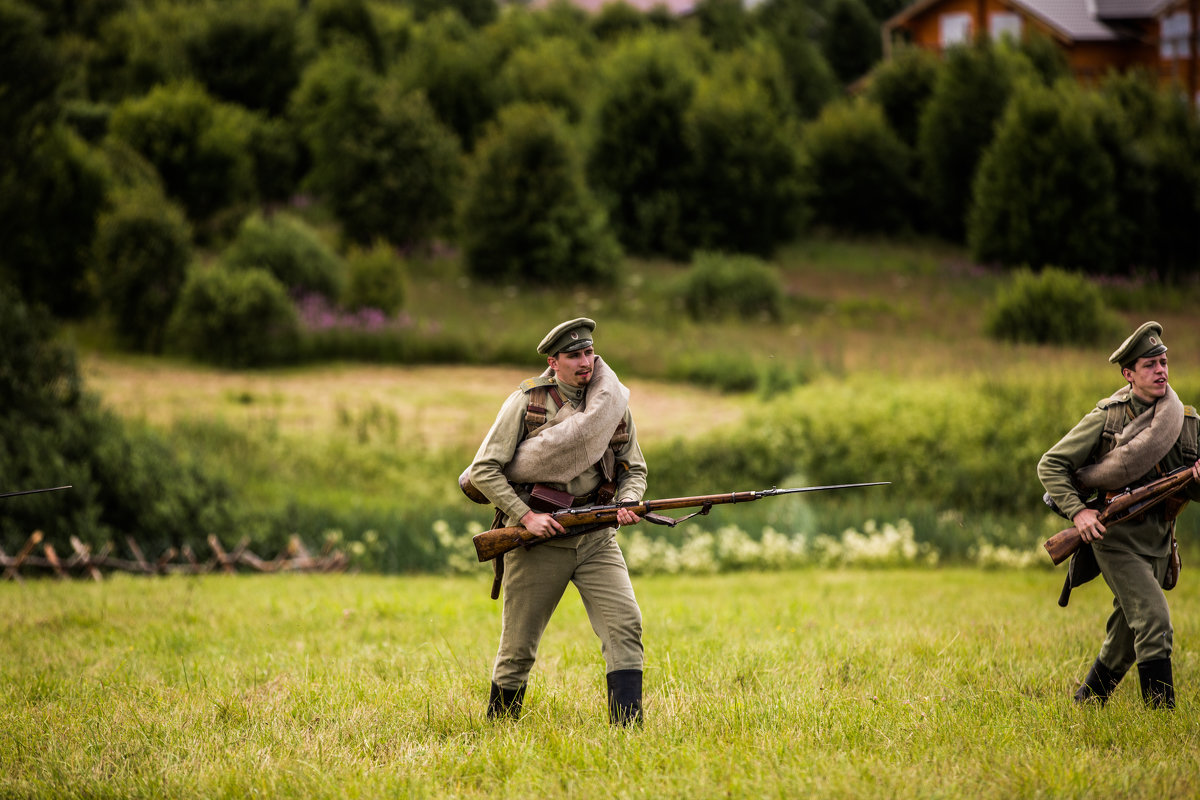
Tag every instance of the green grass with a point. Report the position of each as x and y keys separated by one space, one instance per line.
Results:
x=950 y=683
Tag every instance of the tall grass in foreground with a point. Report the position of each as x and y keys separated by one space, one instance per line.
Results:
x=949 y=683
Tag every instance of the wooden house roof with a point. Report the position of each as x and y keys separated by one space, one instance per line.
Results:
x=1072 y=20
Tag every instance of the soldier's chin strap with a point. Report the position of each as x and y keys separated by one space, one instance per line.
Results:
x=662 y=519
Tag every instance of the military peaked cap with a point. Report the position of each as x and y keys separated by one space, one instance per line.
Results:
x=567 y=337
x=1145 y=342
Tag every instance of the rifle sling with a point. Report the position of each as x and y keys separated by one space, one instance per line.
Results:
x=662 y=519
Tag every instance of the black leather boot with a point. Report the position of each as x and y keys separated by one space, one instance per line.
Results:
x=625 y=697
x=1158 y=687
x=505 y=702
x=1098 y=685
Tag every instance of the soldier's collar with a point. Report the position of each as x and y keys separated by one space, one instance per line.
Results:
x=572 y=393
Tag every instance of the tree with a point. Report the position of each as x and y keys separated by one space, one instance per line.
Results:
x=199 y=146
x=639 y=161
x=857 y=170
x=746 y=192
x=957 y=125
x=143 y=249
x=902 y=86
x=791 y=25
x=247 y=53
x=1044 y=192
x=850 y=40
x=527 y=214
x=380 y=157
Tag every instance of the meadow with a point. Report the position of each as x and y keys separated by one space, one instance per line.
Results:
x=762 y=679
x=828 y=683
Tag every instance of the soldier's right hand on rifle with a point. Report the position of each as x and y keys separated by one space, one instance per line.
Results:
x=1087 y=522
x=543 y=526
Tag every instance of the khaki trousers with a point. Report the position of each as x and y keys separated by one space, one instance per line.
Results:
x=1139 y=628
x=534 y=582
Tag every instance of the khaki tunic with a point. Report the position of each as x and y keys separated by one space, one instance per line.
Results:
x=1133 y=555
x=535 y=578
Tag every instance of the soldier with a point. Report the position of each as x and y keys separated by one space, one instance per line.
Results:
x=1141 y=432
x=539 y=438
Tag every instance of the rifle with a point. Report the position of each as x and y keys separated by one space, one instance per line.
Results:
x=584 y=519
x=1121 y=507
x=34 y=491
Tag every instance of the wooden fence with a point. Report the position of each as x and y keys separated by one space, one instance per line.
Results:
x=82 y=562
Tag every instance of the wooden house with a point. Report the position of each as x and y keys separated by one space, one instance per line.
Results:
x=1095 y=35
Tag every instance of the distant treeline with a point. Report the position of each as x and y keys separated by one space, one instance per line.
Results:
x=542 y=145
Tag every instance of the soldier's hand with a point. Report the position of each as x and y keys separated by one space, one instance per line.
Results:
x=1196 y=470
x=627 y=517
x=543 y=526
x=1087 y=522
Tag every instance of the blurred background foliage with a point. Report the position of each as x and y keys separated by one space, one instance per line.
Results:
x=267 y=185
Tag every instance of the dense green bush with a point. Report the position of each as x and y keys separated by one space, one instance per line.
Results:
x=747 y=193
x=380 y=158
x=49 y=198
x=857 y=170
x=235 y=319
x=336 y=24
x=527 y=215
x=551 y=71
x=289 y=250
x=478 y=13
x=1053 y=307
x=724 y=23
x=274 y=146
x=850 y=41
x=143 y=249
x=457 y=68
x=125 y=482
x=718 y=285
x=1152 y=137
x=1045 y=192
x=958 y=123
x=375 y=279
x=31 y=69
x=615 y=20
x=792 y=26
x=639 y=161
x=138 y=49
x=247 y=52
x=198 y=145
x=902 y=86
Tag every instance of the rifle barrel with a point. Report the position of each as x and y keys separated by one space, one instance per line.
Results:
x=771 y=492
x=34 y=491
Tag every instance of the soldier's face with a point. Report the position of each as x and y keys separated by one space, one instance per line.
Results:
x=1148 y=377
x=574 y=369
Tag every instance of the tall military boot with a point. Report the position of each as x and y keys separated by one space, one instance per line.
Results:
x=1158 y=687
x=505 y=703
x=1098 y=685
x=625 y=697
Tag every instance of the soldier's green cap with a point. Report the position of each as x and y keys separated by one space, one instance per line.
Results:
x=574 y=334
x=1145 y=342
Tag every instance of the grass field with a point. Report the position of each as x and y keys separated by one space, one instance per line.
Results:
x=906 y=684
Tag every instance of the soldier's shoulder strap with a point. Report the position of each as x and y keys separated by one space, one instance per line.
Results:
x=537 y=391
x=530 y=384
x=1118 y=411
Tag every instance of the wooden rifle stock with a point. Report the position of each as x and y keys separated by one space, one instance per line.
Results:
x=577 y=521
x=1121 y=507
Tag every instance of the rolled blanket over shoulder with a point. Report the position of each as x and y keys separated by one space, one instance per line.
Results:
x=1144 y=442
x=575 y=439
